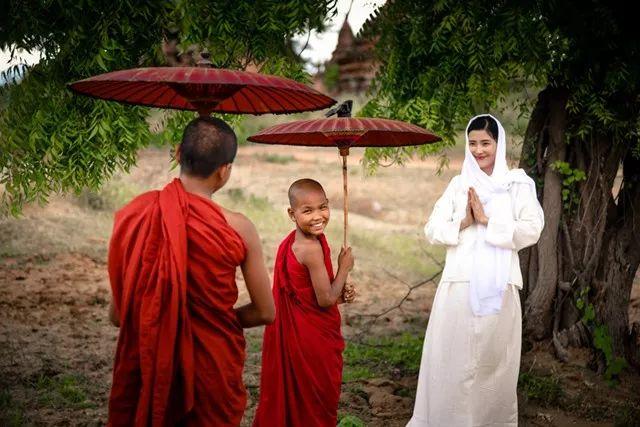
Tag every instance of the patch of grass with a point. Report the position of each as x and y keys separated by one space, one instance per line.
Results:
x=406 y=392
x=51 y=233
x=98 y=300
x=356 y=389
x=254 y=344
x=11 y=412
x=354 y=373
x=5 y=399
x=245 y=203
x=236 y=194
x=398 y=251
x=254 y=392
x=381 y=356
x=546 y=390
x=13 y=417
x=267 y=219
x=113 y=195
x=276 y=158
x=347 y=420
x=627 y=416
x=259 y=203
x=61 y=391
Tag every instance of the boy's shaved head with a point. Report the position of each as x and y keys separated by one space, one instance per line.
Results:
x=303 y=186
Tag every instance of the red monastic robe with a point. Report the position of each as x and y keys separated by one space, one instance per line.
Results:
x=302 y=350
x=180 y=354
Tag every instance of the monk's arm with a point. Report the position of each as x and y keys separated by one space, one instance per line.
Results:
x=327 y=293
x=261 y=310
x=114 y=264
x=113 y=314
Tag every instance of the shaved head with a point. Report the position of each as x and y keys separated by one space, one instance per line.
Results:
x=302 y=186
x=207 y=144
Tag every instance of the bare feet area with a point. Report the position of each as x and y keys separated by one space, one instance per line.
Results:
x=57 y=346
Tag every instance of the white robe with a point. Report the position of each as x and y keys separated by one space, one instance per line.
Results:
x=469 y=369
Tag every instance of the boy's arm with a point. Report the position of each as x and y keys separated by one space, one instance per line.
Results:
x=327 y=293
x=261 y=310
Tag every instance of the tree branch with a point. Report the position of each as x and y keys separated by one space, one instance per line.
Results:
x=410 y=288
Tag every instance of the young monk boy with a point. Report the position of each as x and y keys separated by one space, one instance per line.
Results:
x=172 y=263
x=302 y=349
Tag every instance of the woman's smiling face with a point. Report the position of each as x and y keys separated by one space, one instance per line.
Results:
x=483 y=148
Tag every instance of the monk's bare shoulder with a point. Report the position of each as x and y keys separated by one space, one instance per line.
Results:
x=308 y=252
x=243 y=225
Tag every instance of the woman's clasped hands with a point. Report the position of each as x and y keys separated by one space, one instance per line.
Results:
x=475 y=211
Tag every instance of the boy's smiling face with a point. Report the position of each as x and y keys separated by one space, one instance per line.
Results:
x=310 y=211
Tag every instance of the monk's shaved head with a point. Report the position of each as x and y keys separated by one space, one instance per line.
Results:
x=207 y=144
x=302 y=186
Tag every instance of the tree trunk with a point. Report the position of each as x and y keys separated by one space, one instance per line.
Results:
x=538 y=306
x=619 y=263
x=591 y=248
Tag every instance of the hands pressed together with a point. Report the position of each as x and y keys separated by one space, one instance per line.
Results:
x=475 y=211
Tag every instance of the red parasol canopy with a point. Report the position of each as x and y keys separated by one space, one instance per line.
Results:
x=204 y=89
x=341 y=131
x=345 y=132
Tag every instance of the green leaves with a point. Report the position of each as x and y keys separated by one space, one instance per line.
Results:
x=570 y=180
x=602 y=341
x=66 y=144
x=52 y=141
x=442 y=62
x=453 y=59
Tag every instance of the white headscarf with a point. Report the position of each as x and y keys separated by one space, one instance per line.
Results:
x=491 y=264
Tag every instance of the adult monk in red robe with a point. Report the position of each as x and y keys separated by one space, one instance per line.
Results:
x=172 y=264
x=302 y=350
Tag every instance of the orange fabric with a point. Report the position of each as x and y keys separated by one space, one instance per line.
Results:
x=302 y=350
x=180 y=354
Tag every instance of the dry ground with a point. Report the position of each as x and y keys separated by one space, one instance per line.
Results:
x=56 y=345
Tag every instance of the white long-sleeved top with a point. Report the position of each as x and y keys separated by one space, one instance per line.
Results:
x=518 y=232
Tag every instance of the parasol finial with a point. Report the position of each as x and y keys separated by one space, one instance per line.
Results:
x=342 y=110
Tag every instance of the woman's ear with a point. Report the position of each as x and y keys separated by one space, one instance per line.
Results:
x=176 y=153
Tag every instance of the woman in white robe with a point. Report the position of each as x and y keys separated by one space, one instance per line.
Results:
x=471 y=354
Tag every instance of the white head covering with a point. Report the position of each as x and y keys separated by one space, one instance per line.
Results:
x=473 y=176
x=491 y=264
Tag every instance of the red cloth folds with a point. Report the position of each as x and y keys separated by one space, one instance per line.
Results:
x=302 y=350
x=180 y=353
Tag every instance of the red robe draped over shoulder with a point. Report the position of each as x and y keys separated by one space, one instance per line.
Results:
x=302 y=350
x=180 y=354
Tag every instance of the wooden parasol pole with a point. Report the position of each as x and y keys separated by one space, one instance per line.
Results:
x=344 y=152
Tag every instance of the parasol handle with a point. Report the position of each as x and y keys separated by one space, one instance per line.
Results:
x=344 y=152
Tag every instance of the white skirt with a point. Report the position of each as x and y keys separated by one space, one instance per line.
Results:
x=469 y=369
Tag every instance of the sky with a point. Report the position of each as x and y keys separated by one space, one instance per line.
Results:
x=318 y=50
x=21 y=57
x=321 y=45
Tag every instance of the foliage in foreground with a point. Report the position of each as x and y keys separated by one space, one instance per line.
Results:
x=53 y=141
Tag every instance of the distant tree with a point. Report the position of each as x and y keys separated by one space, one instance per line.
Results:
x=53 y=141
x=443 y=61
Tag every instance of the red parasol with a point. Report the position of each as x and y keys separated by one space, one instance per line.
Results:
x=345 y=132
x=204 y=89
